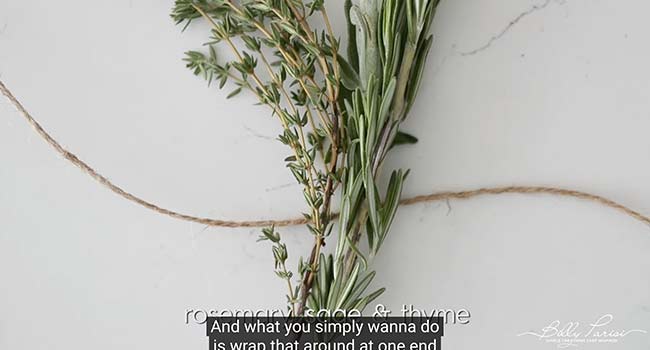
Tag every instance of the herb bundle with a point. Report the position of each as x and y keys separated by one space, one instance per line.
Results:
x=340 y=117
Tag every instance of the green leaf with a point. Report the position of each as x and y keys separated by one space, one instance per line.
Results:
x=234 y=93
x=387 y=101
x=349 y=76
x=360 y=288
x=416 y=75
x=348 y=287
x=355 y=249
x=402 y=138
x=353 y=54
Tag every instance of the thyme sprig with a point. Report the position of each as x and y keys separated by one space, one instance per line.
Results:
x=339 y=117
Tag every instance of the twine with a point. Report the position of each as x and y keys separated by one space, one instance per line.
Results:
x=439 y=196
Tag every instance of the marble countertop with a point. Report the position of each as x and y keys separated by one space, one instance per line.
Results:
x=517 y=92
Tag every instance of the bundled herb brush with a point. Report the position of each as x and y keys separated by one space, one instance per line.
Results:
x=340 y=117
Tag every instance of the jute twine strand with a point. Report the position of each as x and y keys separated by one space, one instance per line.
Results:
x=440 y=196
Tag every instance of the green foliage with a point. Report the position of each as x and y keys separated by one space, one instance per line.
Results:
x=280 y=256
x=391 y=45
x=339 y=117
x=402 y=138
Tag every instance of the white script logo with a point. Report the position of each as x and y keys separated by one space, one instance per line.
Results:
x=574 y=334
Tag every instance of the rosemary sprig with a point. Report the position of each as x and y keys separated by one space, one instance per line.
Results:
x=340 y=118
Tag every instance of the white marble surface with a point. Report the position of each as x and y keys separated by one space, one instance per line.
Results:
x=517 y=92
